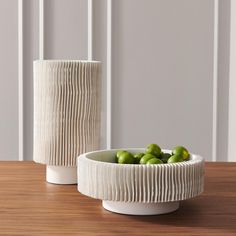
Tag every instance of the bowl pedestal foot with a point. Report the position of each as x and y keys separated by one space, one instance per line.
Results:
x=139 y=208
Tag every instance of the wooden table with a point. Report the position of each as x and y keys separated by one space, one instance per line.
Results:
x=30 y=206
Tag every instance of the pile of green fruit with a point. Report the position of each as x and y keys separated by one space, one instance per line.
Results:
x=153 y=155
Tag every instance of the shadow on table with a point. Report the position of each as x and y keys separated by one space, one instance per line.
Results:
x=209 y=212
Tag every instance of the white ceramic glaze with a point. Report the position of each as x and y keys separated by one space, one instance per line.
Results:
x=61 y=175
x=67 y=114
x=137 y=208
x=100 y=177
x=67 y=110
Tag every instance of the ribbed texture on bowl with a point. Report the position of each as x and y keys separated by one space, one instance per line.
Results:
x=140 y=183
x=67 y=97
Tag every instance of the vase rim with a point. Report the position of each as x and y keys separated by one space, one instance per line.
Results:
x=67 y=60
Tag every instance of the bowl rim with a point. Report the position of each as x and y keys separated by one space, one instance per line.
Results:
x=195 y=158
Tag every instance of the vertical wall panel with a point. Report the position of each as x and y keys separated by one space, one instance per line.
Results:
x=30 y=53
x=232 y=85
x=65 y=29
x=9 y=80
x=20 y=83
x=99 y=53
x=163 y=73
x=223 y=79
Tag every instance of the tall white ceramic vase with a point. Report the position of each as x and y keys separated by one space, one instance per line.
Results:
x=67 y=98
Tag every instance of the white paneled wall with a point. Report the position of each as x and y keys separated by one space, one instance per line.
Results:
x=30 y=53
x=223 y=80
x=9 y=80
x=232 y=86
x=163 y=74
x=165 y=65
x=65 y=29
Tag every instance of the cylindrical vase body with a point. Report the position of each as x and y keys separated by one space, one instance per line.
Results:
x=67 y=107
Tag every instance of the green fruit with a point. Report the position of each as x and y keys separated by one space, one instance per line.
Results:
x=175 y=158
x=138 y=157
x=126 y=158
x=153 y=149
x=154 y=161
x=119 y=153
x=146 y=157
x=165 y=156
x=182 y=151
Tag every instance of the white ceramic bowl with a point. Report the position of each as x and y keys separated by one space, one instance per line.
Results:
x=139 y=189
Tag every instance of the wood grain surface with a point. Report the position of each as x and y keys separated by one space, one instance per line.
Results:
x=30 y=206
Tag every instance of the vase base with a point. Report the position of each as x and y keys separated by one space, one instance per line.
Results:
x=61 y=175
x=138 y=208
